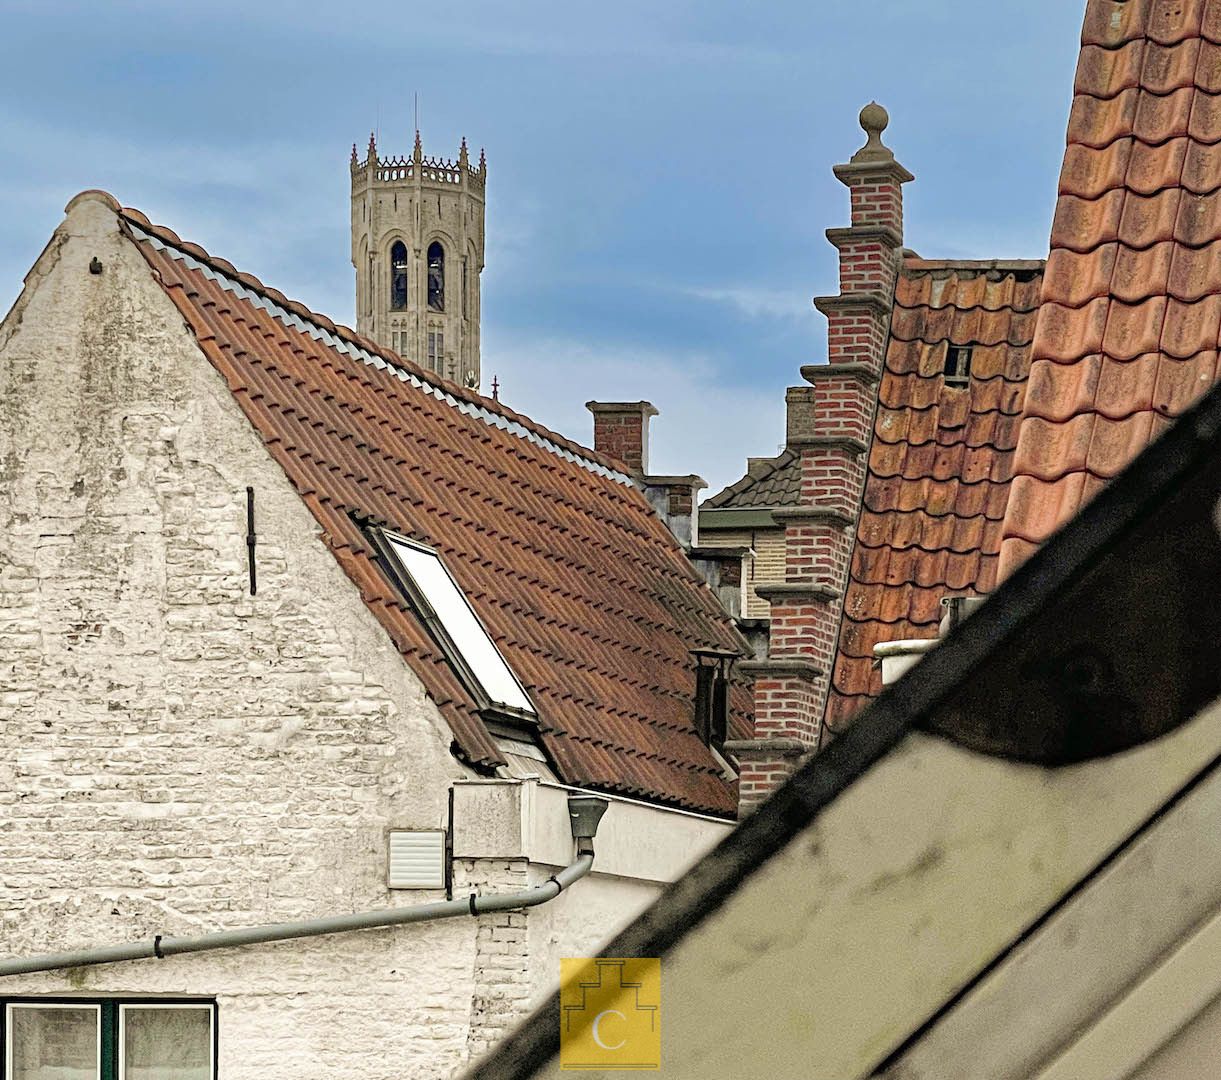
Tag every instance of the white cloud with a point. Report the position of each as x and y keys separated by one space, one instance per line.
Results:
x=756 y=302
x=706 y=426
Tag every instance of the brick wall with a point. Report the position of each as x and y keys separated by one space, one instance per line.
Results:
x=621 y=431
x=502 y=963
x=830 y=423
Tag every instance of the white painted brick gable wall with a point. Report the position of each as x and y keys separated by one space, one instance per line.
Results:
x=175 y=755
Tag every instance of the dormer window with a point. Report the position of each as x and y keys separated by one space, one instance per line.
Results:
x=398 y=276
x=451 y=620
x=958 y=364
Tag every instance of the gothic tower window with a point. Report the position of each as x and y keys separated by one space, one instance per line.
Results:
x=436 y=277
x=398 y=276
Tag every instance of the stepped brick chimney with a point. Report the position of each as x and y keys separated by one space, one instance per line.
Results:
x=830 y=424
x=621 y=431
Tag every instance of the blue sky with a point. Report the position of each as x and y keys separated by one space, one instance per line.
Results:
x=659 y=173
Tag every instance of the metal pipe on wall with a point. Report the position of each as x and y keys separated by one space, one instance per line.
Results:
x=584 y=812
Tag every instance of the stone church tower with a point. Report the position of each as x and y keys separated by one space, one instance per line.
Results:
x=417 y=245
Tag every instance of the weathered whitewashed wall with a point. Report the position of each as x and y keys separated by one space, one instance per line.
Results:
x=177 y=756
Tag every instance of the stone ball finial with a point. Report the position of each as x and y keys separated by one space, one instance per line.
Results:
x=874 y=120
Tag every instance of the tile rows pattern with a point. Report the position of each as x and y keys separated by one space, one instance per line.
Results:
x=1131 y=306
x=940 y=461
x=586 y=593
x=767 y=483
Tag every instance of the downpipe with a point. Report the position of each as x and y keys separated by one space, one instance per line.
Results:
x=584 y=811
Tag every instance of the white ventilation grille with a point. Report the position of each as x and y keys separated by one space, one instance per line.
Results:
x=417 y=859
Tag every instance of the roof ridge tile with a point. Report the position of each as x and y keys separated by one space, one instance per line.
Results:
x=444 y=387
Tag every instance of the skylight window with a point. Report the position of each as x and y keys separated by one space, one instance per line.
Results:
x=453 y=622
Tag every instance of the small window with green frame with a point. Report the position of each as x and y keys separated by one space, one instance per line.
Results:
x=107 y=1039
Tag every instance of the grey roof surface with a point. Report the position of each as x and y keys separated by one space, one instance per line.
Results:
x=767 y=483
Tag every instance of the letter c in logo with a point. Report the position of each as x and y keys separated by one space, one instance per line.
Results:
x=598 y=1020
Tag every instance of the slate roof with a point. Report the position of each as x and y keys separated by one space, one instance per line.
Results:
x=586 y=593
x=940 y=462
x=768 y=483
x=1131 y=305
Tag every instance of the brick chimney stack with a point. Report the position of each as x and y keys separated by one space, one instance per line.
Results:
x=830 y=424
x=621 y=431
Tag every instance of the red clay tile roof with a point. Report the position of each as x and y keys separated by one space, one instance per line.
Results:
x=1131 y=306
x=588 y=596
x=940 y=463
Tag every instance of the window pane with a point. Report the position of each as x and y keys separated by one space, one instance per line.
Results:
x=167 y=1044
x=463 y=628
x=53 y=1042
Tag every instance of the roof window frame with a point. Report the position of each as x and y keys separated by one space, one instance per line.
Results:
x=400 y=576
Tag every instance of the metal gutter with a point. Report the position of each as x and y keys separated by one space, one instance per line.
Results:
x=584 y=813
x=714 y=517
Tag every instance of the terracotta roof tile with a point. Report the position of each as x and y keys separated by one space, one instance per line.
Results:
x=1208 y=67
x=585 y=592
x=1129 y=327
x=1105 y=72
x=940 y=461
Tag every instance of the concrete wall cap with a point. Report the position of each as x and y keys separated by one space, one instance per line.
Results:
x=797 y=590
x=646 y=407
x=768 y=747
x=842 y=442
x=688 y=479
x=875 y=301
x=828 y=515
x=777 y=667
x=861 y=170
x=886 y=234
x=815 y=373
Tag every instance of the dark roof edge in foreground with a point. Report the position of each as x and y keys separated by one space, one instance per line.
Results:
x=1167 y=474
